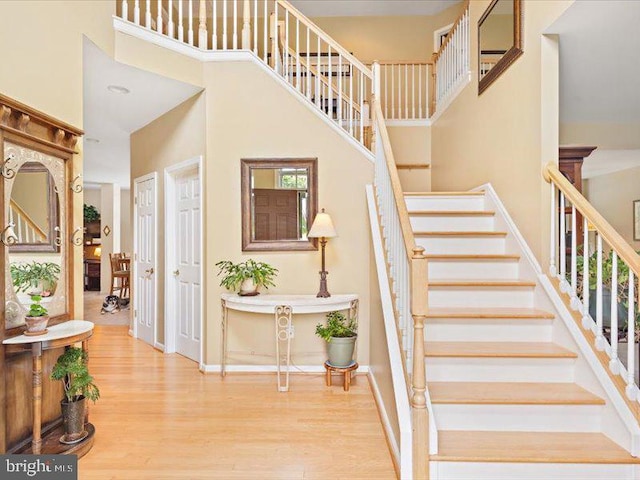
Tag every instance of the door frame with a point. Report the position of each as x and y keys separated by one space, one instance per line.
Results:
x=170 y=324
x=134 y=268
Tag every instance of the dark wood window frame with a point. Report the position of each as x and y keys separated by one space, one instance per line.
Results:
x=248 y=243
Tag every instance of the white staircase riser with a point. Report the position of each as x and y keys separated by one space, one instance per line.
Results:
x=441 y=203
x=481 y=297
x=430 y=223
x=524 y=418
x=530 y=471
x=462 y=245
x=473 y=269
x=486 y=330
x=480 y=369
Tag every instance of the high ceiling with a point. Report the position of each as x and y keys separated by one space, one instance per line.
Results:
x=347 y=8
x=110 y=118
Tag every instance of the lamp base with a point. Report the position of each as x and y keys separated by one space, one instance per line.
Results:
x=323 y=293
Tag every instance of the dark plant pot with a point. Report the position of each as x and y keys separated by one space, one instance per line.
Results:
x=36 y=325
x=73 y=420
x=606 y=308
x=340 y=351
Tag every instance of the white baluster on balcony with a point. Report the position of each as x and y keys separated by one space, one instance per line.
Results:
x=362 y=109
x=125 y=10
x=136 y=12
x=159 y=17
x=330 y=81
x=202 y=26
x=420 y=91
x=632 y=389
x=318 y=68
x=246 y=25
x=298 y=77
x=600 y=341
x=170 y=24
x=339 y=110
x=393 y=92
x=563 y=246
x=586 y=319
x=614 y=363
x=190 y=33
x=308 y=58
x=255 y=27
x=266 y=33
x=351 y=100
x=147 y=15
x=554 y=219
x=406 y=91
x=235 y=24
x=180 y=22
x=285 y=47
x=214 y=24
x=413 y=90
x=386 y=92
x=224 y=24
x=575 y=304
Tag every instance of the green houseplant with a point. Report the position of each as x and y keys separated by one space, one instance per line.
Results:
x=37 y=317
x=91 y=214
x=35 y=278
x=72 y=370
x=340 y=333
x=246 y=276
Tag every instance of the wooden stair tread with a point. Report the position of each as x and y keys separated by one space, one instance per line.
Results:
x=445 y=194
x=470 y=256
x=529 y=447
x=488 y=313
x=453 y=213
x=511 y=393
x=497 y=350
x=480 y=283
x=460 y=234
x=411 y=166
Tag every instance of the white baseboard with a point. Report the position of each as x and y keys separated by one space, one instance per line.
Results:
x=159 y=346
x=204 y=368
x=131 y=333
x=384 y=418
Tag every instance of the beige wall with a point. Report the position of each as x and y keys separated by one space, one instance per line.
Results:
x=43 y=69
x=278 y=125
x=624 y=136
x=92 y=197
x=497 y=32
x=412 y=145
x=612 y=196
x=507 y=134
x=126 y=227
x=173 y=138
x=408 y=38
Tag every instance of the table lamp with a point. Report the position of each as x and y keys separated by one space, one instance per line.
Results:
x=323 y=229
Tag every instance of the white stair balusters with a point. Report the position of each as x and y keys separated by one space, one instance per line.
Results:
x=202 y=25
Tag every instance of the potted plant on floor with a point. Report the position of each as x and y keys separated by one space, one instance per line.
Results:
x=37 y=317
x=246 y=277
x=71 y=368
x=340 y=333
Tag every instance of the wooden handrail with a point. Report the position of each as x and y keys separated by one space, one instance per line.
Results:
x=325 y=37
x=403 y=213
x=29 y=221
x=456 y=24
x=604 y=228
x=329 y=84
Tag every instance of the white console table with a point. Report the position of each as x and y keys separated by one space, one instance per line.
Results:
x=282 y=307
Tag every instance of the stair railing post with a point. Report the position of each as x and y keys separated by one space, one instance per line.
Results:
x=420 y=416
x=432 y=86
x=375 y=96
x=202 y=27
x=246 y=25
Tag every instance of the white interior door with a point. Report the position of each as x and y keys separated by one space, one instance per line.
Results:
x=145 y=260
x=187 y=281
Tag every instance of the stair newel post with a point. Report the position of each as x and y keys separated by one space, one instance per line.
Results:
x=202 y=27
x=420 y=416
x=246 y=25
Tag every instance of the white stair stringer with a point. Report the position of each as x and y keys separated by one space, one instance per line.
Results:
x=487 y=293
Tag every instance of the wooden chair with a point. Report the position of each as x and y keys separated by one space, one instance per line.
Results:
x=120 y=274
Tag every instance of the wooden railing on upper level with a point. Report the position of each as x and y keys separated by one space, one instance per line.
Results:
x=606 y=264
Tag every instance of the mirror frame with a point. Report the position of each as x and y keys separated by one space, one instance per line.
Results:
x=50 y=246
x=251 y=245
x=511 y=55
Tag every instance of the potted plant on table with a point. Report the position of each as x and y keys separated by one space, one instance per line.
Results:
x=246 y=277
x=340 y=333
x=71 y=368
x=37 y=317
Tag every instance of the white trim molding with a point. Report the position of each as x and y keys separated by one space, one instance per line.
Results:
x=301 y=369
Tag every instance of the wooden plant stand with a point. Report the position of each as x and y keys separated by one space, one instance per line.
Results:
x=346 y=371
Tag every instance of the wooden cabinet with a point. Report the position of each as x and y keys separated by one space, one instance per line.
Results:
x=570 y=161
x=92 y=275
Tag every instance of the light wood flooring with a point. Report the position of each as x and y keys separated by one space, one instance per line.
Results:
x=160 y=418
x=93 y=305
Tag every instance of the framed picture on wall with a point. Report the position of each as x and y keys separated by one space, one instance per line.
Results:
x=636 y=220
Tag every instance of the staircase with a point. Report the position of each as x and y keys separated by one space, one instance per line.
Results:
x=511 y=395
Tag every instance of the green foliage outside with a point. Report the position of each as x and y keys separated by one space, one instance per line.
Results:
x=71 y=368
x=338 y=325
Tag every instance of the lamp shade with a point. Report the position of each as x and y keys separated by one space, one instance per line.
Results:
x=322 y=226
x=97 y=252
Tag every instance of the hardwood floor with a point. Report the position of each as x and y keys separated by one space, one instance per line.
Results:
x=160 y=418
x=92 y=306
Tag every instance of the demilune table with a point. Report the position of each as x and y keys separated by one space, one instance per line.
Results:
x=282 y=307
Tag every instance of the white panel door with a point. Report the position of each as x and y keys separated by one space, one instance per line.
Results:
x=188 y=261
x=146 y=237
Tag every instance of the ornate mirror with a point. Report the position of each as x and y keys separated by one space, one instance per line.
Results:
x=499 y=40
x=279 y=202
x=36 y=214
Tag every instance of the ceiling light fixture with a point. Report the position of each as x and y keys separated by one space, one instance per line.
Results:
x=118 y=89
